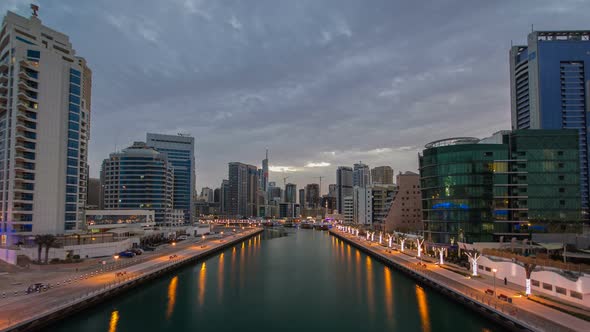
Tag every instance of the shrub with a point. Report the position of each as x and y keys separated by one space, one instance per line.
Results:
x=54 y=261
x=76 y=257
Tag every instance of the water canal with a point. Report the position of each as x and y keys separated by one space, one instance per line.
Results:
x=305 y=281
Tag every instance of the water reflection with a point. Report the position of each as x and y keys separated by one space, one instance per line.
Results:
x=171 y=296
x=423 y=308
x=220 y=278
x=370 y=294
x=358 y=268
x=114 y=321
x=202 y=282
x=388 y=295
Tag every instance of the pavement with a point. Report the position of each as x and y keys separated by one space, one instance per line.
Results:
x=536 y=315
x=15 y=309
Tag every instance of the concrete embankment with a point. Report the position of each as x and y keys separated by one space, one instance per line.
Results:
x=81 y=299
x=508 y=315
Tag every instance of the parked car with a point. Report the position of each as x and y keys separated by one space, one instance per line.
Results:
x=127 y=253
x=149 y=248
x=182 y=237
x=137 y=251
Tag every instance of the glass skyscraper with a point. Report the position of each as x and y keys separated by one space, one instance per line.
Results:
x=549 y=80
x=180 y=150
x=508 y=185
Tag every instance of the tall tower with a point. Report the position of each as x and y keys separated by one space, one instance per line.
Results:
x=550 y=87
x=343 y=186
x=45 y=102
x=181 y=154
x=243 y=190
x=361 y=176
x=264 y=180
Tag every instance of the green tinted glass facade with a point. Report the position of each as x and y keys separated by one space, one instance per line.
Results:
x=524 y=181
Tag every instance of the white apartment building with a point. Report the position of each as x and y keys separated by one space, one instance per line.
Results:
x=362 y=205
x=45 y=92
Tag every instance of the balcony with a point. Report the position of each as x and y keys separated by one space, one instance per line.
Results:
x=3 y=87
x=33 y=76
x=27 y=187
x=24 y=156
x=3 y=98
x=27 y=96
x=25 y=146
x=3 y=78
x=4 y=66
x=28 y=116
x=29 y=64
x=27 y=85
x=27 y=167
x=27 y=105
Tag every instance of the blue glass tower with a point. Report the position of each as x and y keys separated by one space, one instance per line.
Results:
x=549 y=87
x=181 y=154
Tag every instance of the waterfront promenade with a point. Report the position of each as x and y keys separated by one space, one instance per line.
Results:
x=522 y=311
x=28 y=312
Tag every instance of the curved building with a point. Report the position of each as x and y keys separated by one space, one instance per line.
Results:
x=141 y=178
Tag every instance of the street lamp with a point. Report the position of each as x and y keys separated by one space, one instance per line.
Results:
x=494 y=270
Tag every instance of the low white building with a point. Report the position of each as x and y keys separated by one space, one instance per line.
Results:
x=107 y=219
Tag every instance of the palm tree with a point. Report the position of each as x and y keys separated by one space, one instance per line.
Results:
x=50 y=242
x=40 y=242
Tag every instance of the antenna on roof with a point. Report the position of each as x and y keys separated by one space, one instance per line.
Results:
x=532 y=28
x=35 y=9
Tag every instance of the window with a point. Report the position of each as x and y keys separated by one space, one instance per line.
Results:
x=560 y=290
x=547 y=286
x=535 y=282
x=561 y=190
x=576 y=295
x=561 y=177
x=489 y=154
x=560 y=165
x=560 y=153
x=562 y=202
x=74 y=79
x=33 y=55
x=75 y=99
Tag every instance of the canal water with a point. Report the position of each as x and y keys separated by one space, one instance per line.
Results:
x=305 y=281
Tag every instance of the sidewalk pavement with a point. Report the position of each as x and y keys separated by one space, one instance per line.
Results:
x=552 y=315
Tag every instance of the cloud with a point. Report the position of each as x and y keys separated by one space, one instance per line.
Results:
x=320 y=164
x=332 y=82
x=282 y=169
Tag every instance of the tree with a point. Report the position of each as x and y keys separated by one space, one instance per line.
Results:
x=50 y=242
x=402 y=240
x=40 y=242
x=474 y=256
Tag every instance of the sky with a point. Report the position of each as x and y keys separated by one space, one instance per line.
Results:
x=319 y=83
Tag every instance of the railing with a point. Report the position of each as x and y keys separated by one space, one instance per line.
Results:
x=23 y=318
x=524 y=317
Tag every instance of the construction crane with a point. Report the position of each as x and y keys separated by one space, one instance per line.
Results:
x=320 y=177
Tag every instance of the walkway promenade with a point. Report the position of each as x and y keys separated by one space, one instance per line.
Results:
x=29 y=312
x=529 y=314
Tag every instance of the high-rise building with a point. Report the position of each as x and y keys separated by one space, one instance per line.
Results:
x=333 y=190
x=265 y=173
x=224 y=197
x=382 y=175
x=405 y=213
x=362 y=205
x=243 y=190
x=181 y=154
x=382 y=197
x=207 y=194
x=361 y=175
x=302 y=198
x=290 y=193
x=45 y=102
x=348 y=209
x=312 y=196
x=217 y=195
x=549 y=80
x=274 y=193
x=510 y=185
x=344 y=186
x=139 y=178
x=93 y=200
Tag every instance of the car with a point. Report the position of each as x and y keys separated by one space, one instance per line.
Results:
x=149 y=248
x=127 y=253
x=136 y=251
x=37 y=287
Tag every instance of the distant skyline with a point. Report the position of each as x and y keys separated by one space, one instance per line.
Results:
x=319 y=83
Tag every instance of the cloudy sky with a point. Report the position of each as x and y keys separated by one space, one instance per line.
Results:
x=319 y=83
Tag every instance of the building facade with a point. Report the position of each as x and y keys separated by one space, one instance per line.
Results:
x=382 y=197
x=207 y=195
x=291 y=193
x=103 y=220
x=243 y=190
x=382 y=175
x=224 y=197
x=139 y=178
x=343 y=186
x=312 y=196
x=405 y=212
x=45 y=103
x=181 y=154
x=549 y=80
x=362 y=206
x=510 y=185
x=361 y=175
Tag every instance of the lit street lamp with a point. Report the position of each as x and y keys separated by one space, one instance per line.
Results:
x=494 y=270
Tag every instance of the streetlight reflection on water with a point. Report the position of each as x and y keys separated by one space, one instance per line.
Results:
x=114 y=320
x=171 y=296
